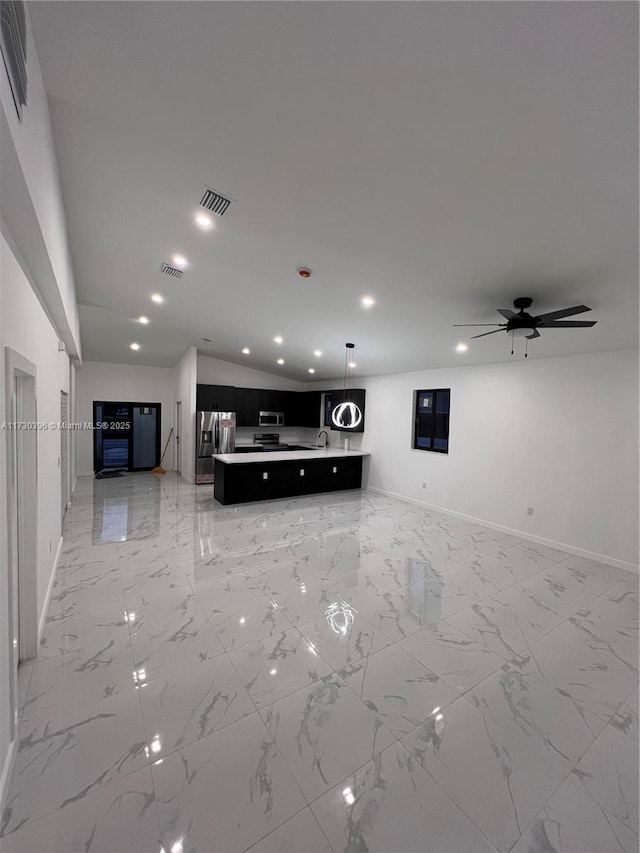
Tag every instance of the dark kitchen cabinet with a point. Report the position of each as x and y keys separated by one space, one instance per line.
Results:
x=215 y=398
x=302 y=408
x=259 y=481
x=272 y=400
x=247 y=407
x=310 y=409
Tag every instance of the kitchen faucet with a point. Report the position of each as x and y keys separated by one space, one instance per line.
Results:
x=326 y=438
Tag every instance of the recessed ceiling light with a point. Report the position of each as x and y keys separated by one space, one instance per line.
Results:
x=368 y=301
x=317 y=353
x=281 y=361
x=312 y=370
x=134 y=346
x=352 y=364
x=204 y=221
x=179 y=261
x=143 y=320
x=246 y=351
x=155 y=297
x=462 y=347
x=277 y=339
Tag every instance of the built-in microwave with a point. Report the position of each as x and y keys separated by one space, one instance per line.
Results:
x=271 y=419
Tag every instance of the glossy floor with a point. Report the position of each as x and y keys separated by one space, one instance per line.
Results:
x=343 y=672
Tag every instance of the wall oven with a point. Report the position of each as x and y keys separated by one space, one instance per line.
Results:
x=271 y=419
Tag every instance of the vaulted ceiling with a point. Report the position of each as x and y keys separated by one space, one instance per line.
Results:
x=444 y=158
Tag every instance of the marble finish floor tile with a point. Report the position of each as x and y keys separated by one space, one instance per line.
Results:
x=459 y=660
x=589 y=662
x=608 y=772
x=492 y=773
x=191 y=704
x=398 y=688
x=174 y=646
x=225 y=792
x=571 y=822
x=522 y=706
x=94 y=626
x=256 y=619
x=117 y=818
x=272 y=669
x=61 y=761
x=342 y=635
x=169 y=606
x=300 y=833
x=78 y=679
x=336 y=672
x=625 y=719
x=391 y=804
x=323 y=732
x=505 y=625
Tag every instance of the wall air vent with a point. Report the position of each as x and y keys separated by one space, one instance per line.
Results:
x=13 y=42
x=215 y=202
x=167 y=269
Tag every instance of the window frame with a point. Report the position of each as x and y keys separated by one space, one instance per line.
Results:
x=416 y=407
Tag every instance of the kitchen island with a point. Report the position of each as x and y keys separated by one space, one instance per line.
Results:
x=243 y=477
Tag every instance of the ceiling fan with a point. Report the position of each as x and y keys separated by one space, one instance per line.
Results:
x=523 y=325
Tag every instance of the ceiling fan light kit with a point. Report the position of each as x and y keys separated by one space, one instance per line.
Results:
x=523 y=325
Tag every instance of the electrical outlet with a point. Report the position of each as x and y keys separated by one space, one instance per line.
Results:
x=424 y=485
x=529 y=510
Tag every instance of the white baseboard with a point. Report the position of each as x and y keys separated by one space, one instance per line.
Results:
x=7 y=771
x=561 y=546
x=45 y=604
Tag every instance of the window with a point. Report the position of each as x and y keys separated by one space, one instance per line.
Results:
x=431 y=431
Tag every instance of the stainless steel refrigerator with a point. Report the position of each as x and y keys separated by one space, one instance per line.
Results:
x=215 y=433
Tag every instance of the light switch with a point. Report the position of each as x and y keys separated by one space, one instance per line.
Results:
x=302 y=472
x=265 y=476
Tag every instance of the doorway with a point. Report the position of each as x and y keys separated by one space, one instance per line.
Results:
x=64 y=456
x=127 y=436
x=22 y=516
x=178 y=433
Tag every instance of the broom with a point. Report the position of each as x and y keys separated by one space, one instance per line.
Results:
x=160 y=469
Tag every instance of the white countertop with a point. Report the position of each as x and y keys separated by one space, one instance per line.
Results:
x=287 y=455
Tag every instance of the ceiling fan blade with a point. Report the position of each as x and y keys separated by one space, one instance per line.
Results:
x=564 y=312
x=567 y=324
x=486 y=333
x=507 y=313
x=477 y=324
x=534 y=334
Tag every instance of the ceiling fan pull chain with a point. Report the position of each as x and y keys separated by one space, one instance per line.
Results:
x=512 y=337
x=526 y=345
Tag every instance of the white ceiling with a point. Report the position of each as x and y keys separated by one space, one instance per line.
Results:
x=444 y=157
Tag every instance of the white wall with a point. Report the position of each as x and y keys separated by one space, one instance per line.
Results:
x=185 y=393
x=25 y=328
x=129 y=383
x=31 y=200
x=37 y=309
x=212 y=371
x=557 y=434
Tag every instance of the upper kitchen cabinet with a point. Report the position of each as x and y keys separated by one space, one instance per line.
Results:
x=308 y=404
x=247 y=406
x=215 y=398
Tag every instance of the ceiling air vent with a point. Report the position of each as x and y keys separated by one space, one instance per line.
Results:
x=167 y=269
x=13 y=41
x=215 y=202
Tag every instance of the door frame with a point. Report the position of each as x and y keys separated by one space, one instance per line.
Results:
x=22 y=514
x=178 y=465
x=65 y=453
x=129 y=433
